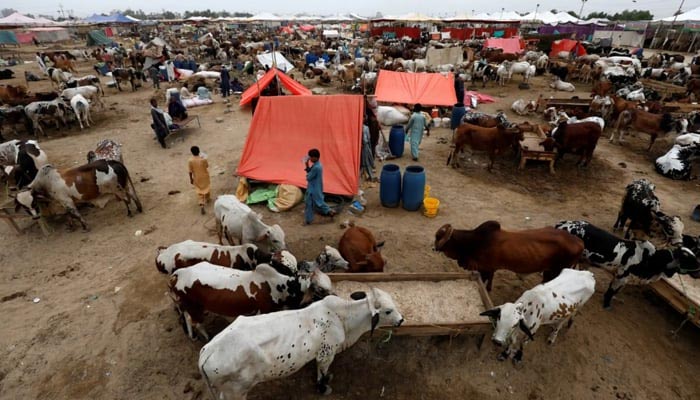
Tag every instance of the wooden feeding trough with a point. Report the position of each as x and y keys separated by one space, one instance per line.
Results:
x=11 y=217
x=664 y=89
x=582 y=104
x=683 y=293
x=531 y=149
x=432 y=304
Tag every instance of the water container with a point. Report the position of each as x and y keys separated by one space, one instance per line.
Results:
x=390 y=185
x=413 y=187
x=396 y=138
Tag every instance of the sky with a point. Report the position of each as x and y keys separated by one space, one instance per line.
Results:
x=82 y=8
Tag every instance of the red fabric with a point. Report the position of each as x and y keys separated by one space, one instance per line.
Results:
x=423 y=88
x=413 y=33
x=511 y=45
x=567 y=45
x=307 y=28
x=290 y=84
x=480 y=97
x=25 y=37
x=108 y=32
x=285 y=128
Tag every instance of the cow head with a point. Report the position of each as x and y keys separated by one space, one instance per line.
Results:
x=442 y=236
x=320 y=286
x=27 y=200
x=507 y=318
x=274 y=235
x=330 y=259
x=284 y=262
x=687 y=262
x=382 y=309
x=671 y=226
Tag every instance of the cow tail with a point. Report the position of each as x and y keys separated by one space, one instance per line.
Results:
x=206 y=378
x=133 y=193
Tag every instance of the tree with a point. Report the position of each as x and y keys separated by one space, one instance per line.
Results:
x=7 y=11
x=573 y=14
x=553 y=11
x=626 y=15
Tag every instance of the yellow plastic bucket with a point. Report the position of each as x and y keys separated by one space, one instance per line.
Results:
x=430 y=207
x=426 y=191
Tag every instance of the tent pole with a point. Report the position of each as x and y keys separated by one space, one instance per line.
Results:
x=656 y=32
x=692 y=42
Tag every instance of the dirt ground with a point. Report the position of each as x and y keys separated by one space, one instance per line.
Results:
x=104 y=327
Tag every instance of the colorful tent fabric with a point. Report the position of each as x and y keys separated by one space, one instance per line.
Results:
x=97 y=38
x=572 y=46
x=283 y=130
x=109 y=19
x=423 y=88
x=290 y=84
x=8 y=37
x=510 y=45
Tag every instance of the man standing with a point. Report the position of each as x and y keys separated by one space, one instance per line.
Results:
x=314 y=188
x=225 y=82
x=459 y=87
x=159 y=125
x=415 y=128
x=199 y=177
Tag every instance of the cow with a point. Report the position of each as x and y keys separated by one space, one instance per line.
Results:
x=65 y=65
x=641 y=206
x=90 y=183
x=57 y=77
x=558 y=84
x=522 y=107
x=482 y=70
x=578 y=138
x=256 y=349
x=46 y=110
x=89 y=92
x=601 y=88
x=232 y=293
x=6 y=74
x=88 y=80
x=492 y=140
x=240 y=225
x=106 y=149
x=22 y=160
x=553 y=303
x=188 y=253
x=629 y=259
x=643 y=121
x=10 y=93
x=359 y=247
x=81 y=108
x=677 y=162
x=489 y=248
x=124 y=74
x=13 y=116
x=602 y=107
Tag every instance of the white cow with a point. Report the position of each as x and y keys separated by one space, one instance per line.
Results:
x=90 y=92
x=522 y=107
x=81 y=108
x=240 y=225
x=503 y=72
x=553 y=303
x=558 y=84
x=688 y=139
x=257 y=349
x=522 y=68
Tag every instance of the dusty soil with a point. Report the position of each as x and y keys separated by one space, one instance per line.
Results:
x=104 y=327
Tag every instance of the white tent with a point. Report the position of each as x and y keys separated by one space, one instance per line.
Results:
x=545 y=17
x=459 y=17
x=18 y=19
x=265 y=17
x=692 y=15
x=282 y=63
x=566 y=17
x=415 y=17
x=133 y=19
x=483 y=16
x=45 y=21
x=507 y=16
x=197 y=19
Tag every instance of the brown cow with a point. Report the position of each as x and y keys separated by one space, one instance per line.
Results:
x=65 y=65
x=359 y=247
x=601 y=88
x=578 y=138
x=489 y=248
x=643 y=121
x=492 y=140
x=9 y=93
x=221 y=290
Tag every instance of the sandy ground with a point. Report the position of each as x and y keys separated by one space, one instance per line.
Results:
x=104 y=327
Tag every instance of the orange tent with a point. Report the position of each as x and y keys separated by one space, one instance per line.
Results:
x=285 y=128
x=567 y=45
x=423 y=88
x=290 y=84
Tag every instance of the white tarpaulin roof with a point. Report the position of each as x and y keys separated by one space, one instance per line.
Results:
x=331 y=33
x=692 y=15
x=265 y=17
x=282 y=63
x=566 y=17
x=18 y=19
x=45 y=21
x=415 y=17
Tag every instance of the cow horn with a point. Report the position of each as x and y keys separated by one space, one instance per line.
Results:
x=494 y=313
x=448 y=234
x=375 y=322
x=524 y=328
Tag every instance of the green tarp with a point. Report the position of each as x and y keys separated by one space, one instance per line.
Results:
x=98 y=38
x=8 y=37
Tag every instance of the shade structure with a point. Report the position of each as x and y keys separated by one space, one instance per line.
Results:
x=510 y=45
x=423 y=88
x=18 y=19
x=283 y=130
x=279 y=60
x=290 y=84
x=688 y=16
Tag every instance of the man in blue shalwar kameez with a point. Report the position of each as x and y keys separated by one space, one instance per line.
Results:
x=314 y=188
x=415 y=128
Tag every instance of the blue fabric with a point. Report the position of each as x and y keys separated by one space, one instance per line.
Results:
x=311 y=58
x=415 y=128
x=457 y=115
x=325 y=58
x=314 y=193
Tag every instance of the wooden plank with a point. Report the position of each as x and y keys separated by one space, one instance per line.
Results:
x=677 y=300
x=399 y=276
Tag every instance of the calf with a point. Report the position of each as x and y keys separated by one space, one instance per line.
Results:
x=45 y=110
x=88 y=80
x=229 y=292
x=602 y=107
x=188 y=253
x=240 y=225
x=57 y=77
x=22 y=160
x=553 y=303
x=643 y=121
x=92 y=183
x=580 y=138
x=522 y=107
x=361 y=250
x=629 y=259
x=677 y=162
x=558 y=84
x=89 y=92
x=257 y=349
x=81 y=108
x=489 y=248
x=125 y=74
x=492 y=140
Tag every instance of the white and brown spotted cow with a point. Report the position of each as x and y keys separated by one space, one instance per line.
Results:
x=188 y=253
x=94 y=183
x=552 y=303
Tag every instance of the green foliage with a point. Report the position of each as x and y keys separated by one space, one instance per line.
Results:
x=7 y=12
x=627 y=15
x=163 y=14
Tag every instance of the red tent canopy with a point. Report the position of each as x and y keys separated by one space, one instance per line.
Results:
x=572 y=46
x=283 y=130
x=290 y=84
x=423 y=88
x=511 y=45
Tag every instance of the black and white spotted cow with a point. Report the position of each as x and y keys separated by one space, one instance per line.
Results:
x=22 y=159
x=678 y=161
x=629 y=260
x=642 y=208
x=260 y=348
x=38 y=111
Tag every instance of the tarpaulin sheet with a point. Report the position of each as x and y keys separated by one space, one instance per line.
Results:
x=509 y=46
x=449 y=55
x=25 y=37
x=423 y=88
x=8 y=37
x=285 y=128
x=290 y=84
x=567 y=45
x=282 y=63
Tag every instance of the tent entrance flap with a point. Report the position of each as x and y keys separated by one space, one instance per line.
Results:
x=290 y=84
x=285 y=128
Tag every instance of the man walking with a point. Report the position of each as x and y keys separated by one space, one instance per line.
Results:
x=415 y=128
x=199 y=177
x=314 y=188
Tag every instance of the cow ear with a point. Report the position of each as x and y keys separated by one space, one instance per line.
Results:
x=494 y=313
x=358 y=295
x=375 y=322
x=380 y=244
x=524 y=328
